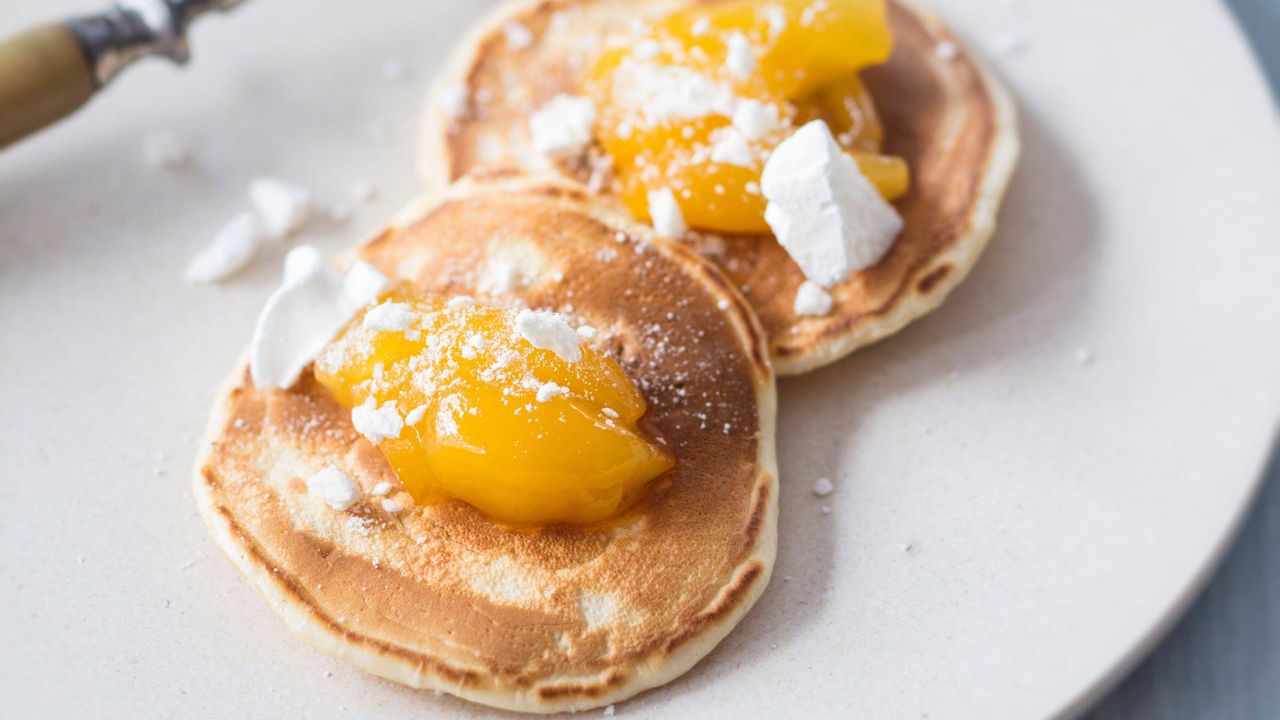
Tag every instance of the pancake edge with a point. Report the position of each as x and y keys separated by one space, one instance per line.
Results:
x=961 y=254
x=434 y=161
x=422 y=671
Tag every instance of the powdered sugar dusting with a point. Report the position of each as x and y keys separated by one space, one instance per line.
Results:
x=682 y=351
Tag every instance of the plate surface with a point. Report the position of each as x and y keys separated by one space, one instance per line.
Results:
x=1012 y=523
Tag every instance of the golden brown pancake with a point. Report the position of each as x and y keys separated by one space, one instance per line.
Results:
x=948 y=118
x=439 y=597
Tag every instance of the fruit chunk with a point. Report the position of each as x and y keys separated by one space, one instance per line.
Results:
x=697 y=103
x=525 y=434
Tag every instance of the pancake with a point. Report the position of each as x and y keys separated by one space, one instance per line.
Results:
x=563 y=618
x=948 y=118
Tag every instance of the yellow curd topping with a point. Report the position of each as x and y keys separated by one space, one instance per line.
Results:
x=696 y=104
x=511 y=412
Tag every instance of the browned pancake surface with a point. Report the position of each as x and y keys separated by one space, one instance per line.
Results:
x=440 y=597
x=951 y=122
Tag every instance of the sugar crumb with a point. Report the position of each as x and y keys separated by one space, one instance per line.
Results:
x=646 y=50
x=549 y=390
x=549 y=331
x=454 y=99
x=283 y=207
x=665 y=213
x=518 y=36
x=740 y=61
x=231 y=250
x=334 y=487
x=823 y=487
x=563 y=126
x=339 y=211
x=364 y=191
x=163 y=149
x=377 y=423
x=812 y=301
x=389 y=317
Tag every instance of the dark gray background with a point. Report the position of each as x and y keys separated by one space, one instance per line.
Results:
x=1222 y=661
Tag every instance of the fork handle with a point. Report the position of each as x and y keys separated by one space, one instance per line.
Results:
x=44 y=76
x=49 y=71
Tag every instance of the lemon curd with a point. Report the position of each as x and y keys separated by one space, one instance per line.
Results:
x=695 y=105
x=527 y=432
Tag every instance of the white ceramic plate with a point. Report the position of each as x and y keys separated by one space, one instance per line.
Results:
x=1010 y=527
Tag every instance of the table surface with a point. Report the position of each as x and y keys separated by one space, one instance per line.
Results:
x=1223 y=659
